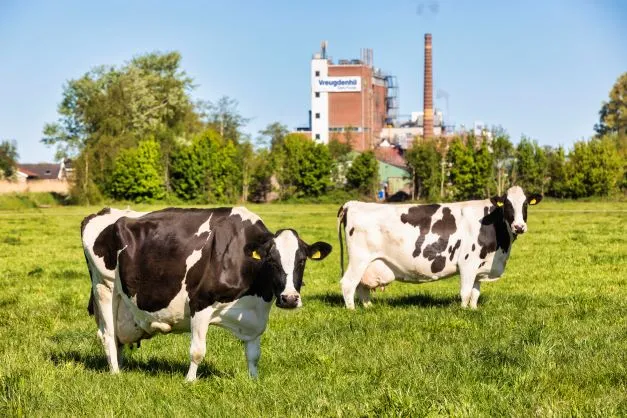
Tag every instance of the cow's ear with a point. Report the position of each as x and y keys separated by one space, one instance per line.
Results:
x=318 y=250
x=254 y=250
x=534 y=199
x=498 y=201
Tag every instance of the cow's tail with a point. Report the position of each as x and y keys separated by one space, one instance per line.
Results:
x=90 y=304
x=341 y=224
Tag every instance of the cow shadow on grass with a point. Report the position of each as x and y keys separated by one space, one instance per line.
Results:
x=153 y=366
x=419 y=300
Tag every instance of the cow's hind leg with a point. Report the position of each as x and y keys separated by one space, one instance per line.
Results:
x=350 y=281
x=363 y=293
x=199 y=325
x=252 y=349
x=106 y=325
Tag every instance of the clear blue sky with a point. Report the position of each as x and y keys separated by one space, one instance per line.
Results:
x=541 y=68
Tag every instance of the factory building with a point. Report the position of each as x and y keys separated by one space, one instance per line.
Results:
x=353 y=100
x=350 y=99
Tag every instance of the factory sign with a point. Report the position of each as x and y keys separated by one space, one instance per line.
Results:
x=337 y=84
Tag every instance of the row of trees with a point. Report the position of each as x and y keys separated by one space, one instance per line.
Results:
x=474 y=168
x=135 y=134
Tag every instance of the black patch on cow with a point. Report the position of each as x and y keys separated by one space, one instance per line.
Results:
x=438 y=264
x=351 y=231
x=473 y=246
x=508 y=211
x=90 y=304
x=420 y=217
x=444 y=227
x=224 y=272
x=493 y=233
x=106 y=246
x=482 y=264
x=466 y=258
x=153 y=265
x=457 y=245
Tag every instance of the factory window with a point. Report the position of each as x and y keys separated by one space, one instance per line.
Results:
x=317 y=136
x=317 y=115
x=317 y=73
x=317 y=94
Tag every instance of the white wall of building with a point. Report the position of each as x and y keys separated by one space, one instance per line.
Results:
x=319 y=102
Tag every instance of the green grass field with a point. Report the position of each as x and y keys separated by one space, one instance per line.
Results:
x=549 y=338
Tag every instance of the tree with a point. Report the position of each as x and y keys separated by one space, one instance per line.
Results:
x=110 y=109
x=556 y=162
x=225 y=119
x=531 y=170
x=207 y=170
x=136 y=175
x=594 y=168
x=8 y=159
x=261 y=171
x=303 y=167
x=460 y=160
x=338 y=149
x=503 y=151
x=423 y=160
x=613 y=113
x=363 y=174
x=272 y=136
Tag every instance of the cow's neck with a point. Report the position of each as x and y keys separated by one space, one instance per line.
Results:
x=504 y=235
x=261 y=287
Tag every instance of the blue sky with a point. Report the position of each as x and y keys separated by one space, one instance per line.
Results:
x=541 y=68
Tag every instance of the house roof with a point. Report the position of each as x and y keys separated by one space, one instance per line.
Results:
x=390 y=155
x=40 y=171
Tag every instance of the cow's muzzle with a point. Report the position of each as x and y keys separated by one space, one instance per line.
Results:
x=519 y=228
x=289 y=301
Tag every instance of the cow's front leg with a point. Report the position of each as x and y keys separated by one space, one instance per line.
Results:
x=252 y=349
x=474 y=294
x=199 y=324
x=104 y=304
x=467 y=281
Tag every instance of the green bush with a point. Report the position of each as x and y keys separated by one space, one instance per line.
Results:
x=136 y=174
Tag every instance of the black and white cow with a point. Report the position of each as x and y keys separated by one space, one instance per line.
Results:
x=422 y=243
x=179 y=270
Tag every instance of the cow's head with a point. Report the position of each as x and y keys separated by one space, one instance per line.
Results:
x=514 y=206
x=283 y=259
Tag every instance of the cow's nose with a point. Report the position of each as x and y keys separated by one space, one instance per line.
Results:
x=289 y=301
x=519 y=229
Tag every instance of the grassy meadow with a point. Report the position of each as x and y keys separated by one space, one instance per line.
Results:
x=548 y=339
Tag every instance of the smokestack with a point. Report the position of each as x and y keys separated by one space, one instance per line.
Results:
x=428 y=90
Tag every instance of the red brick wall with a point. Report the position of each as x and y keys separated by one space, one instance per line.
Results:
x=350 y=109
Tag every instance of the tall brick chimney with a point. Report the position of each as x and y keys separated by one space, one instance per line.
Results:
x=428 y=90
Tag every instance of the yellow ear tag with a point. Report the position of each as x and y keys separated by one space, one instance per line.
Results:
x=316 y=255
x=499 y=204
x=255 y=255
x=532 y=202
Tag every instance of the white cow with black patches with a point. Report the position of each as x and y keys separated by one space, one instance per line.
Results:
x=181 y=270
x=422 y=243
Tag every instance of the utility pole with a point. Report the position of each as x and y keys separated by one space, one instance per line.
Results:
x=442 y=164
